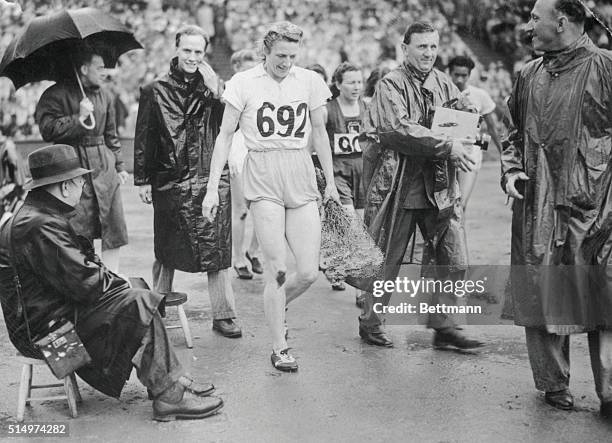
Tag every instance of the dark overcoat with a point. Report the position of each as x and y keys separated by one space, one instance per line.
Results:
x=178 y=123
x=62 y=278
x=561 y=108
x=100 y=211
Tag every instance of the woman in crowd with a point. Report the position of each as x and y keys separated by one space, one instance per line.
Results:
x=344 y=123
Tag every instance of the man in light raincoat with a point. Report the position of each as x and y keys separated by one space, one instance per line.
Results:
x=557 y=164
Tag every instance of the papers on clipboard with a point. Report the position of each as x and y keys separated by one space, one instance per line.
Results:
x=455 y=124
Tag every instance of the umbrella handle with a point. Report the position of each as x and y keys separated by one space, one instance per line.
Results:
x=90 y=116
x=88 y=126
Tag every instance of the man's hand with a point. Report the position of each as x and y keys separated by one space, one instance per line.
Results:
x=465 y=103
x=123 y=177
x=145 y=194
x=210 y=204
x=510 y=184
x=86 y=107
x=211 y=79
x=331 y=192
x=460 y=155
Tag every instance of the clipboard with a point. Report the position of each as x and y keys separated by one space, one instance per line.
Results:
x=455 y=124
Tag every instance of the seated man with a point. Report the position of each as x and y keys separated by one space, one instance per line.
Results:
x=61 y=277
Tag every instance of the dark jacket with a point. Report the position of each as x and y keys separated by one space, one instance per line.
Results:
x=59 y=273
x=398 y=143
x=561 y=107
x=178 y=123
x=100 y=212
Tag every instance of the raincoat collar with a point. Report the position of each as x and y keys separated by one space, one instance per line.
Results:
x=416 y=74
x=180 y=76
x=423 y=79
x=42 y=199
x=557 y=61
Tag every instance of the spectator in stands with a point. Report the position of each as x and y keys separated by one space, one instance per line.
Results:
x=460 y=68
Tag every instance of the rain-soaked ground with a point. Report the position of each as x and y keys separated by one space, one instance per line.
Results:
x=344 y=390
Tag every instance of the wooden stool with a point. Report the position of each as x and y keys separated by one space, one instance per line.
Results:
x=71 y=389
x=177 y=299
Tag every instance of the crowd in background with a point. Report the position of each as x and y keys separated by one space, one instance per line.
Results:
x=367 y=33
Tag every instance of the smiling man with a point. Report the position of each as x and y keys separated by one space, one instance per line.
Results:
x=179 y=116
x=425 y=178
x=557 y=164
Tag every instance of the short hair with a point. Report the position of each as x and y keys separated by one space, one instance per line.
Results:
x=342 y=69
x=575 y=10
x=242 y=56
x=318 y=69
x=418 y=28
x=285 y=31
x=461 y=61
x=373 y=80
x=191 y=30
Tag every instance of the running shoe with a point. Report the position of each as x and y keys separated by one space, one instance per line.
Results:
x=283 y=361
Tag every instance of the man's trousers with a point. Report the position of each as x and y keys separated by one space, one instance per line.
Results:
x=550 y=364
x=445 y=246
x=219 y=289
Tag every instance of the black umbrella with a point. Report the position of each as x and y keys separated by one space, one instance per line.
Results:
x=44 y=49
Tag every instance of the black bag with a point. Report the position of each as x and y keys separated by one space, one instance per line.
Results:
x=61 y=348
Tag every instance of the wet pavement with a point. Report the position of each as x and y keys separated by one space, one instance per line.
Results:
x=345 y=390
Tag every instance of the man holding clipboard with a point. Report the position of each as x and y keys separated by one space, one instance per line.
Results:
x=424 y=189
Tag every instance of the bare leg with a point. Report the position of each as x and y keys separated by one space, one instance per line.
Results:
x=249 y=232
x=269 y=223
x=303 y=232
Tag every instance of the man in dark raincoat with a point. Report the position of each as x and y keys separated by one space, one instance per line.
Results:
x=557 y=164
x=61 y=278
x=418 y=184
x=179 y=117
x=61 y=115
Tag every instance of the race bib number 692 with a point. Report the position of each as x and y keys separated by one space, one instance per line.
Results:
x=285 y=121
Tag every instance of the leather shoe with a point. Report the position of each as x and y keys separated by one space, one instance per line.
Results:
x=243 y=273
x=191 y=407
x=255 y=264
x=562 y=399
x=375 y=336
x=451 y=338
x=199 y=389
x=606 y=410
x=227 y=328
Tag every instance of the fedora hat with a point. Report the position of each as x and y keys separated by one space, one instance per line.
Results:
x=53 y=164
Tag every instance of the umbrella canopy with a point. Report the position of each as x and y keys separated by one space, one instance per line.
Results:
x=44 y=48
